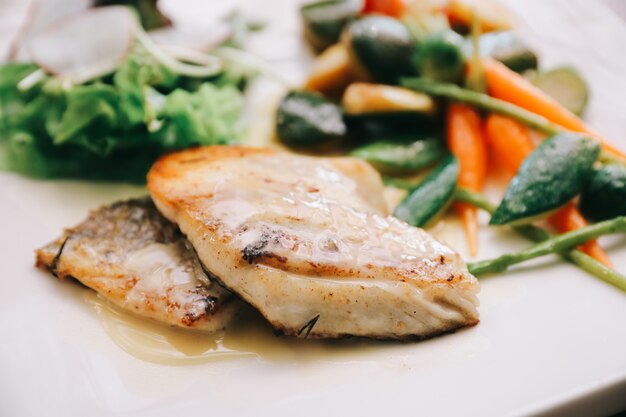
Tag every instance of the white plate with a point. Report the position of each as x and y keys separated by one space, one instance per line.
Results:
x=551 y=340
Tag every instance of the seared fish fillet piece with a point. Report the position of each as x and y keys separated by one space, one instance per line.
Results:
x=140 y=261
x=308 y=242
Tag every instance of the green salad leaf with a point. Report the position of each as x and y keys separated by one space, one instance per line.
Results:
x=113 y=127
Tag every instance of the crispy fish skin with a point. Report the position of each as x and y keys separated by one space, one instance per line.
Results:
x=134 y=257
x=308 y=242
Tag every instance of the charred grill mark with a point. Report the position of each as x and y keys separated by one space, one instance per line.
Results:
x=253 y=251
x=211 y=304
x=308 y=326
x=55 y=261
x=269 y=247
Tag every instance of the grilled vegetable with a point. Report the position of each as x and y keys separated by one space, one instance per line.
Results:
x=553 y=245
x=462 y=95
x=380 y=47
x=506 y=47
x=511 y=143
x=534 y=233
x=432 y=196
x=605 y=195
x=493 y=16
x=323 y=21
x=374 y=127
x=466 y=141
x=401 y=156
x=515 y=97
x=365 y=98
x=569 y=218
x=566 y=86
x=393 y=8
x=551 y=176
x=308 y=119
x=331 y=71
x=508 y=86
x=440 y=57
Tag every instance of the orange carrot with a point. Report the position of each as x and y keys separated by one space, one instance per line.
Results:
x=466 y=142
x=569 y=218
x=393 y=8
x=508 y=85
x=511 y=143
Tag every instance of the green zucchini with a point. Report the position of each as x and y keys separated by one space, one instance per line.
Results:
x=308 y=119
x=374 y=127
x=506 y=47
x=549 y=177
x=431 y=197
x=324 y=21
x=440 y=57
x=404 y=156
x=380 y=48
x=604 y=197
x=566 y=86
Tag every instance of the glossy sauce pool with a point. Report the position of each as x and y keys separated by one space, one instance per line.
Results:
x=248 y=336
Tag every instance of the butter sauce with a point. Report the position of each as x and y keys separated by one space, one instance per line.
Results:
x=249 y=336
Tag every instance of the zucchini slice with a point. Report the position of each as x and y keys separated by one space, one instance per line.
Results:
x=549 y=177
x=366 y=98
x=566 y=86
x=308 y=119
x=380 y=48
x=401 y=156
x=432 y=196
x=324 y=21
x=605 y=195
x=440 y=57
x=506 y=47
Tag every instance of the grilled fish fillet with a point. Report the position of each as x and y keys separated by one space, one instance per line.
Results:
x=137 y=259
x=308 y=242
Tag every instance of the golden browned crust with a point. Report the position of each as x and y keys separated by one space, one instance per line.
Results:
x=305 y=241
x=173 y=165
x=95 y=253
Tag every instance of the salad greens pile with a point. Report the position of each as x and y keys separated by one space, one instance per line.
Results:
x=115 y=126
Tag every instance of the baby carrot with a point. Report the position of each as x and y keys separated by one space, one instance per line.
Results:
x=569 y=218
x=466 y=142
x=509 y=86
x=511 y=143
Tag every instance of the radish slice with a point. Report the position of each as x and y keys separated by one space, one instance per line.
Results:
x=213 y=67
x=85 y=45
x=196 y=39
x=14 y=15
x=40 y=14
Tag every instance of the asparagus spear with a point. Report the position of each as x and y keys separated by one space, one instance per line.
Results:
x=554 y=244
x=483 y=101
x=581 y=259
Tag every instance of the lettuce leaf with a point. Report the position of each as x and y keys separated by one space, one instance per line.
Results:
x=114 y=127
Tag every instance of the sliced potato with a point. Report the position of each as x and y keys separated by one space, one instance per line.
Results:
x=492 y=14
x=365 y=98
x=331 y=72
